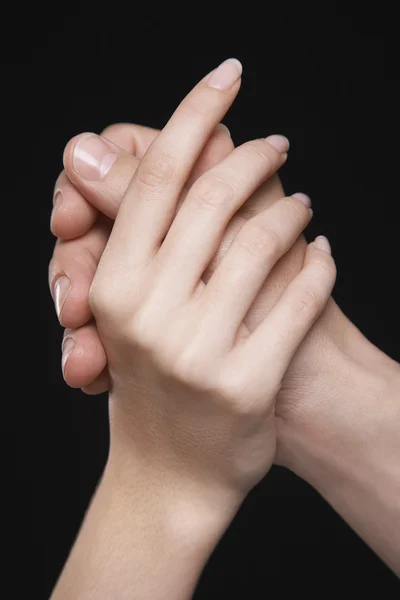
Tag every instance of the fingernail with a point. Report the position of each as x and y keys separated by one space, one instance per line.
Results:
x=321 y=242
x=93 y=157
x=306 y=200
x=57 y=198
x=226 y=74
x=279 y=142
x=68 y=346
x=61 y=291
x=224 y=128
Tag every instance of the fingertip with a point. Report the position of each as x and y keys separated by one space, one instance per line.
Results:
x=68 y=153
x=319 y=252
x=83 y=358
x=100 y=385
x=306 y=200
x=221 y=128
x=75 y=310
x=322 y=243
x=72 y=216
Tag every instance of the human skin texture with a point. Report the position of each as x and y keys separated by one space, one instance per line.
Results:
x=192 y=390
x=337 y=412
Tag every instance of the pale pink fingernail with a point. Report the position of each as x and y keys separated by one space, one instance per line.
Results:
x=57 y=198
x=306 y=200
x=68 y=346
x=222 y=127
x=321 y=242
x=279 y=142
x=226 y=74
x=61 y=290
x=93 y=157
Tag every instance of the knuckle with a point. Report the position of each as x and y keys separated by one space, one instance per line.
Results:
x=108 y=306
x=326 y=264
x=236 y=391
x=191 y=368
x=100 y=301
x=157 y=169
x=259 y=240
x=141 y=330
x=212 y=192
x=233 y=385
x=306 y=299
x=259 y=151
x=295 y=209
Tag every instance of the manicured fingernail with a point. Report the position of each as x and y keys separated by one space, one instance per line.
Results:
x=279 y=142
x=93 y=157
x=306 y=200
x=224 y=128
x=61 y=291
x=322 y=243
x=68 y=346
x=226 y=74
x=57 y=198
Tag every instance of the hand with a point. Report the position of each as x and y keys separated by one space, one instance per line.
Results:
x=83 y=231
x=311 y=386
x=324 y=390
x=192 y=389
x=188 y=388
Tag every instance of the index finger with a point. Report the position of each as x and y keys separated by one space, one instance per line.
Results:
x=149 y=205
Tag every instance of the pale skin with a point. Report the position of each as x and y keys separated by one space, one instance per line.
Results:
x=336 y=375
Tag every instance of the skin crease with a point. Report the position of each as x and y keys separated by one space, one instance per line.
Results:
x=318 y=408
x=191 y=403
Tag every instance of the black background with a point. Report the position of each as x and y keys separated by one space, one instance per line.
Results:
x=327 y=81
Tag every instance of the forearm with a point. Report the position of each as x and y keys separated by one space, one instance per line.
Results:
x=138 y=541
x=352 y=457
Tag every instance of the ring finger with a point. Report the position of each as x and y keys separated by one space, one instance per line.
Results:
x=197 y=230
x=258 y=246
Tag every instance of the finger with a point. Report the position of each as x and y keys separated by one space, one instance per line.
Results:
x=197 y=231
x=99 y=169
x=218 y=147
x=267 y=194
x=73 y=213
x=131 y=137
x=78 y=260
x=236 y=283
x=71 y=273
x=286 y=268
x=100 y=385
x=279 y=335
x=150 y=203
x=83 y=357
x=85 y=154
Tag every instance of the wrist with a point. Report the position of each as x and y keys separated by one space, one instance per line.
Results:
x=354 y=417
x=335 y=396
x=350 y=453
x=140 y=537
x=191 y=515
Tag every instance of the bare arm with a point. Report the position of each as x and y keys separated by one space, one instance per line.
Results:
x=140 y=539
x=193 y=391
x=350 y=452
